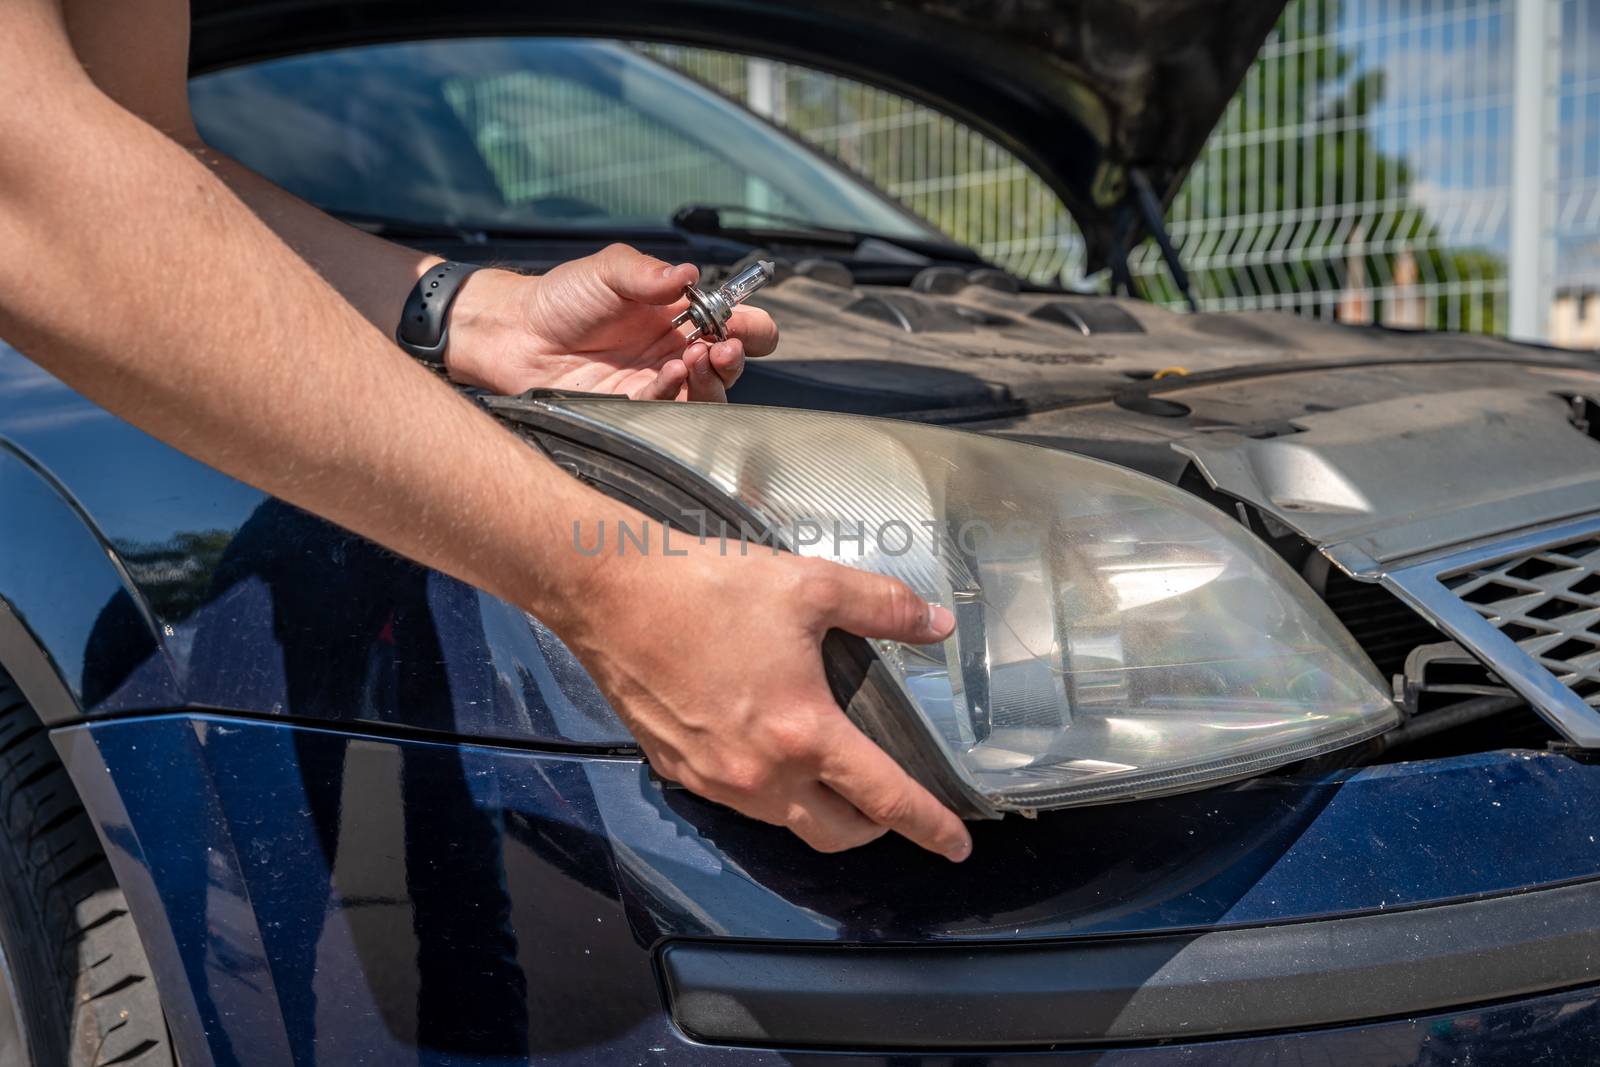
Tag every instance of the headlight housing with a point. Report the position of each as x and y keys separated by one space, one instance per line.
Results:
x=1115 y=637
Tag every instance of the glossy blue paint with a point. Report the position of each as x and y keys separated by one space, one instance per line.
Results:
x=60 y=582
x=1550 y=1031
x=338 y=898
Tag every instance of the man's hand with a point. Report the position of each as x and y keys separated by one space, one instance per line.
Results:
x=601 y=324
x=753 y=724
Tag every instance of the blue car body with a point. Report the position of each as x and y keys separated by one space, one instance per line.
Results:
x=365 y=814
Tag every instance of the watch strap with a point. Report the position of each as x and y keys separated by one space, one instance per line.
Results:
x=424 y=324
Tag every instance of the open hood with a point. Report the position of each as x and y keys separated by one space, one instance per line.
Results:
x=1080 y=90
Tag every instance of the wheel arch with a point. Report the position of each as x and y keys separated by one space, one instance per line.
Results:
x=65 y=598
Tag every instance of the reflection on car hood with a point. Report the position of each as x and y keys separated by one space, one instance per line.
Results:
x=1080 y=90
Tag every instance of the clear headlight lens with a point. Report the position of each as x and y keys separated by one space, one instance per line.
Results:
x=1114 y=635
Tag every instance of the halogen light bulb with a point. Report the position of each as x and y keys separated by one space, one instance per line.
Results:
x=709 y=312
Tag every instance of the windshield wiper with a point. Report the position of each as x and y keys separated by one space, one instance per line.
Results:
x=401 y=228
x=696 y=224
x=707 y=219
x=482 y=233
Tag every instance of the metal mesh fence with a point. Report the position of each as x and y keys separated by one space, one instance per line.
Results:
x=1364 y=170
x=1575 y=313
x=1361 y=172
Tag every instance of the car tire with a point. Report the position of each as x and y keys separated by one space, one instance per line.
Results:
x=75 y=984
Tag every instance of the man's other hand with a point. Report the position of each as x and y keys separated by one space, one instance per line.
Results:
x=732 y=701
x=601 y=324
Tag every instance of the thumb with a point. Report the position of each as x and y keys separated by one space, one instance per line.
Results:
x=871 y=605
x=633 y=275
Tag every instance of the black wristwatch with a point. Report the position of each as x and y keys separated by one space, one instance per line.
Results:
x=423 y=329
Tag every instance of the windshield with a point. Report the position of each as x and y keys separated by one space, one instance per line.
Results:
x=518 y=133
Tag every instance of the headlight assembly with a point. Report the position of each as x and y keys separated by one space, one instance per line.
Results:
x=1115 y=637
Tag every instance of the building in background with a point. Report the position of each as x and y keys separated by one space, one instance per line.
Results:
x=1421 y=163
x=1575 y=318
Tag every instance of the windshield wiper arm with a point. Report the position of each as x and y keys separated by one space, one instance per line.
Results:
x=707 y=219
x=482 y=233
x=401 y=228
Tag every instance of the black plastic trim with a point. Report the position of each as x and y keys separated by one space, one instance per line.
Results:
x=1089 y=317
x=1013 y=407
x=1211 y=984
x=24 y=658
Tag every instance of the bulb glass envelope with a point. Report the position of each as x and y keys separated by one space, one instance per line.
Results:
x=1115 y=637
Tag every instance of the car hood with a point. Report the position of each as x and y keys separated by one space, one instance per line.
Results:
x=1081 y=90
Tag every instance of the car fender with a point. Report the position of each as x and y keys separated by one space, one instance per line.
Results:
x=74 y=631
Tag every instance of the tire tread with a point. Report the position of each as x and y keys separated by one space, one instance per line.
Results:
x=100 y=1007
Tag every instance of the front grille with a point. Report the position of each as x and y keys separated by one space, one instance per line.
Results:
x=1385 y=627
x=1548 y=602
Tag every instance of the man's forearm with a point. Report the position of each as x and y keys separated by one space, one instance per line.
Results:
x=207 y=331
x=151 y=288
x=371 y=273
x=150 y=81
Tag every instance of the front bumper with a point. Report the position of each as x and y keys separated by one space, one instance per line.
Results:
x=310 y=895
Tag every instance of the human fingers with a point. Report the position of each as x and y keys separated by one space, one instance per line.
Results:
x=769 y=772
x=666 y=385
x=635 y=276
x=704 y=383
x=872 y=605
x=880 y=789
x=755 y=328
x=827 y=822
x=727 y=359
